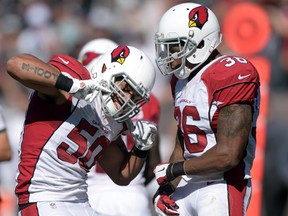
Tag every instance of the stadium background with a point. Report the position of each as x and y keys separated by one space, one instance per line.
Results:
x=257 y=30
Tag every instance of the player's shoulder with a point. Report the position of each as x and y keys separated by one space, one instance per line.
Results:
x=232 y=69
x=152 y=105
x=153 y=99
x=70 y=65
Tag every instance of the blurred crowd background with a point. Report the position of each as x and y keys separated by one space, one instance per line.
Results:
x=44 y=28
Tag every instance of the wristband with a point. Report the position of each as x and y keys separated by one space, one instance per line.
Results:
x=64 y=83
x=175 y=170
x=139 y=153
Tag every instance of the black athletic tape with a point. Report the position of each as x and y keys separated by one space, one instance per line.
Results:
x=177 y=169
x=64 y=83
x=139 y=153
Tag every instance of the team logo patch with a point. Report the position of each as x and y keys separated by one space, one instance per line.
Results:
x=53 y=205
x=120 y=54
x=198 y=17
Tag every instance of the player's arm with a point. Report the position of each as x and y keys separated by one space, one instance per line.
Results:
x=233 y=130
x=152 y=111
x=122 y=167
x=153 y=158
x=50 y=83
x=177 y=154
x=5 y=147
x=162 y=200
x=119 y=164
x=34 y=73
x=160 y=170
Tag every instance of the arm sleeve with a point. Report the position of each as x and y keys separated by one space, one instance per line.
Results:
x=70 y=65
x=238 y=93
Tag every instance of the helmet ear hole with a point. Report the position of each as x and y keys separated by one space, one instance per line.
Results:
x=201 y=45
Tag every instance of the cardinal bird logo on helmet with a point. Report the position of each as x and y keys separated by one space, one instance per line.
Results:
x=198 y=17
x=120 y=54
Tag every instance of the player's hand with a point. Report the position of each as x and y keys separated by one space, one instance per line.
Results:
x=163 y=173
x=144 y=134
x=87 y=89
x=164 y=205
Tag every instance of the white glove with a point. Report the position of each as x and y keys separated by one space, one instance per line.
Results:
x=167 y=172
x=163 y=203
x=87 y=89
x=160 y=172
x=144 y=134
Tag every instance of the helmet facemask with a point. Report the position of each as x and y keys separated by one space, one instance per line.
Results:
x=165 y=55
x=129 y=74
x=128 y=96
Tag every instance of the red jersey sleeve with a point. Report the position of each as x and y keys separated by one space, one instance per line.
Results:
x=70 y=65
x=232 y=83
x=151 y=110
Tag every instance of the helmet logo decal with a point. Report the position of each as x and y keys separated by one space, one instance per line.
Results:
x=120 y=54
x=198 y=17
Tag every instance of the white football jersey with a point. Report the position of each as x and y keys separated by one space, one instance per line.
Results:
x=224 y=81
x=60 y=143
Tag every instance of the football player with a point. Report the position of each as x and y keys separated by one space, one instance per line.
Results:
x=73 y=121
x=216 y=99
x=106 y=197
x=5 y=146
x=94 y=49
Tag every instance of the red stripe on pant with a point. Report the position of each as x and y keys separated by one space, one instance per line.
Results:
x=236 y=196
x=30 y=210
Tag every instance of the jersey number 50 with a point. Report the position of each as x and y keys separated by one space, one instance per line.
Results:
x=86 y=158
